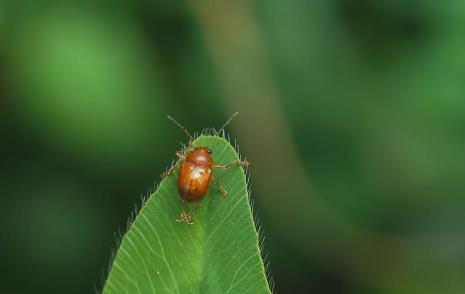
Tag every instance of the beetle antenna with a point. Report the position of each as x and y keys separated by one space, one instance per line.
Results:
x=228 y=121
x=179 y=126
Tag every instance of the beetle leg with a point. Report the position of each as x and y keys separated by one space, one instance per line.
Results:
x=219 y=187
x=185 y=150
x=243 y=163
x=170 y=171
x=185 y=216
x=180 y=154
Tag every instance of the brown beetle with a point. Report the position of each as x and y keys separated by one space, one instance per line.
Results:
x=195 y=173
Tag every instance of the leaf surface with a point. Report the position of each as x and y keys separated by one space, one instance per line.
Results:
x=219 y=253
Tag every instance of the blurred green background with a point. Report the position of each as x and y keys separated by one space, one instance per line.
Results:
x=352 y=114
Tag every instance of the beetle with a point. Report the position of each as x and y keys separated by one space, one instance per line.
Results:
x=195 y=172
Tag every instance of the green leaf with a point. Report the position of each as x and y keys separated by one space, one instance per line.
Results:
x=219 y=253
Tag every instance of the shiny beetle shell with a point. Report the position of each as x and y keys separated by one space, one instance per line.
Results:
x=195 y=175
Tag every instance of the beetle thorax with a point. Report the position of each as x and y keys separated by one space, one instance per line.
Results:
x=200 y=156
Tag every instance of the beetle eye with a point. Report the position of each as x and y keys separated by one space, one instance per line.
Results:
x=209 y=151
